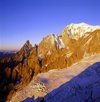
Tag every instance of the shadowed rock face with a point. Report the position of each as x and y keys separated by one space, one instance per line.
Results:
x=5 y=77
x=6 y=62
x=7 y=73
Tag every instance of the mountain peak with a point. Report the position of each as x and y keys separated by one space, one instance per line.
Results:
x=27 y=45
x=75 y=31
x=27 y=42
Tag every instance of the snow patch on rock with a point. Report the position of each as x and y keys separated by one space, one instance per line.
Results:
x=40 y=57
x=59 y=41
x=48 y=53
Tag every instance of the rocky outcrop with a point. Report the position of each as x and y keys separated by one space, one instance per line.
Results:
x=25 y=71
x=23 y=53
x=67 y=41
x=56 y=60
x=50 y=44
x=47 y=46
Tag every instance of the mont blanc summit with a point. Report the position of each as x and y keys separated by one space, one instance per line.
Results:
x=75 y=31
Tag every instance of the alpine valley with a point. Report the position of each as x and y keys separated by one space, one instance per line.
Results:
x=64 y=68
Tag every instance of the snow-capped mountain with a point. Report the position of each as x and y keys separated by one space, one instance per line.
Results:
x=66 y=39
x=75 y=31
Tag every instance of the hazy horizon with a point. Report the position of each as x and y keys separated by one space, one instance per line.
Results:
x=7 y=50
x=32 y=20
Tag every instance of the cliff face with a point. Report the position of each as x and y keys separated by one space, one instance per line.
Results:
x=47 y=46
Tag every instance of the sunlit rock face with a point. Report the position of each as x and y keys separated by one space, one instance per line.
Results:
x=56 y=60
x=28 y=69
x=64 y=57
x=73 y=50
x=17 y=57
x=23 y=53
x=47 y=46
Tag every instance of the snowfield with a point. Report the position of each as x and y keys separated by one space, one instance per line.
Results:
x=77 y=83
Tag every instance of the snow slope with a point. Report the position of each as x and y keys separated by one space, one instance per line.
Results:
x=65 y=84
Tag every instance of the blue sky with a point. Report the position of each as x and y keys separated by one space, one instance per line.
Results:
x=22 y=20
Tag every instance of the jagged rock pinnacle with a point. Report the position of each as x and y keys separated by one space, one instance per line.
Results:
x=27 y=42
